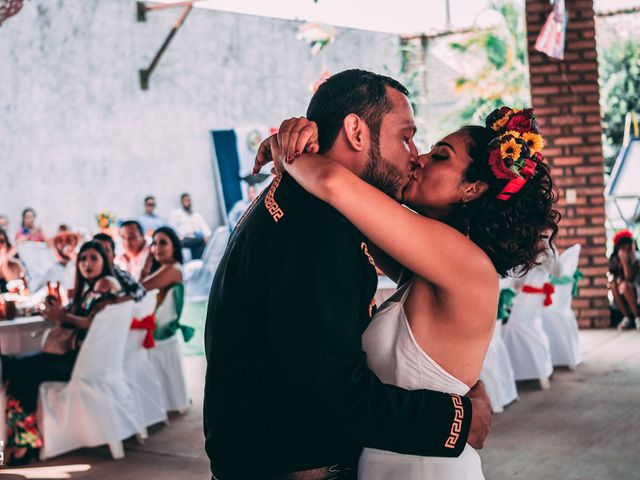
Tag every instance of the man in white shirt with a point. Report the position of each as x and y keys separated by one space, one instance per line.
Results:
x=190 y=226
x=149 y=221
x=136 y=250
x=64 y=243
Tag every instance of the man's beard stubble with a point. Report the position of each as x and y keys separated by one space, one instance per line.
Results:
x=381 y=173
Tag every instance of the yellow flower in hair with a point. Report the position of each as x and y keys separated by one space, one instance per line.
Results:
x=510 y=149
x=513 y=133
x=534 y=140
x=501 y=122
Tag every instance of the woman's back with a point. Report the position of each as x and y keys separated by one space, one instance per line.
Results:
x=453 y=327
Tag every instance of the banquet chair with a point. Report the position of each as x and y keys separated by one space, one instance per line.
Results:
x=523 y=334
x=497 y=372
x=198 y=274
x=559 y=320
x=141 y=375
x=38 y=258
x=95 y=407
x=166 y=356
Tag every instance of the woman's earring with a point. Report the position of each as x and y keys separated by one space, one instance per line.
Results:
x=466 y=219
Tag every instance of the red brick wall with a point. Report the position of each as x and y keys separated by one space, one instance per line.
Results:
x=566 y=97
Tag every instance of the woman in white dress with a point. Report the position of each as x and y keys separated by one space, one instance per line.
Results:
x=480 y=203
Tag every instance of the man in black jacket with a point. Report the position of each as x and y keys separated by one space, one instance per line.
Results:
x=288 y=393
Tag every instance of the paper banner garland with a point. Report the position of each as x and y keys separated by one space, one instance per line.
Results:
x=8 y=8
x=551 y=39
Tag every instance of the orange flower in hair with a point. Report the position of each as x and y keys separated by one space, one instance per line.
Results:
x=534 y=140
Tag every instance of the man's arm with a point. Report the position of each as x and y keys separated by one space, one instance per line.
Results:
x=315 y=315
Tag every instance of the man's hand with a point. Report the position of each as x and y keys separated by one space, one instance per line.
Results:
x=481 y=416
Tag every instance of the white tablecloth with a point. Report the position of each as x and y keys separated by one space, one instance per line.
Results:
x=22 y=336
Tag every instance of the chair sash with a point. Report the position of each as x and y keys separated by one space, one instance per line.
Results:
x=147 y=323
x=547 y=290
x=169 y=330
x=505 y=302
x=566 y=280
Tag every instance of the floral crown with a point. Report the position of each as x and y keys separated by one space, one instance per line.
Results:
x=516 y=151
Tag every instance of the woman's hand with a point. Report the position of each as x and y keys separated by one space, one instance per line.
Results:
x=623 y=255
x=269 y=151
x=295 y=135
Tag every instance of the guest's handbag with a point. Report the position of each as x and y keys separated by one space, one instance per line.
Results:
x=59 y=340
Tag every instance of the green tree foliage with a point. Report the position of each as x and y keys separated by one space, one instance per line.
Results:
x=502 y=79
x=619 y=93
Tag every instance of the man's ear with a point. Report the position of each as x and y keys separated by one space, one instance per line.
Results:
x=473 y=191
x=356 y=132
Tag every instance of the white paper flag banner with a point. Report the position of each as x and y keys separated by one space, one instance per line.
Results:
x=551 y=39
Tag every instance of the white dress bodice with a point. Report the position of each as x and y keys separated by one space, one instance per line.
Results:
x=396 y=358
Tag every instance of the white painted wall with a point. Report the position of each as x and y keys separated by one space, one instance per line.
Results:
x=78 y=135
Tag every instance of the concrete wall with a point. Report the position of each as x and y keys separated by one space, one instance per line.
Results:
x=78 y=135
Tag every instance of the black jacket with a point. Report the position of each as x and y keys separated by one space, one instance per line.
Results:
x=287 y=383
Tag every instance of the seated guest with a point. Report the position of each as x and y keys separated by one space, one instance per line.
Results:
x=149 y=220
x=135 y=248
x=29 y=231
x=10 y=267
x=190 y=226
x=624 y=277
x=64 y=243
x=95 y=287
x=129 y=285
x=164 y=270
x=4 y=223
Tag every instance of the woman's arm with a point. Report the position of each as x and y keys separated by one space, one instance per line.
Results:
x=429 y=248
x=162 y=278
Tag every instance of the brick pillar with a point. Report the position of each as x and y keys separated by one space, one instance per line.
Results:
x=566 y=97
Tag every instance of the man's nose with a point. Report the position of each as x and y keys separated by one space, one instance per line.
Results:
x=416 y=164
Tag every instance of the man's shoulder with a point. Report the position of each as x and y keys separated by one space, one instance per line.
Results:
x=303 y=207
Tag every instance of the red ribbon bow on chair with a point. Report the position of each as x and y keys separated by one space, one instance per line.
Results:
x=147 y=323
x=547 y=289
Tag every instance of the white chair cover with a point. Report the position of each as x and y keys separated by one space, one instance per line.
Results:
x=559 y=321
x=524 y=336
x=167 y=359
x=199 y=273
x=497 y=373
x=141 y=374
x=96 y=406
x=38 y=258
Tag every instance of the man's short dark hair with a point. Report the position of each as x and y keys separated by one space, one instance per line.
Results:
x=149 y=197
x=129 y=223
x=103 y=237
x=185 y=194
x=352 y=91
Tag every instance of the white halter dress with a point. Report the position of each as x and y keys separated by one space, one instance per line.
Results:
x=397 y=359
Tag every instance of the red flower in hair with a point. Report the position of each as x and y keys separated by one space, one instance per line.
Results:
x=499 y=166
x=520 y=123
x=529 y=170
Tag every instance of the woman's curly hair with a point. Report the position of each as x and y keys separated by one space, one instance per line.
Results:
x=510 y=232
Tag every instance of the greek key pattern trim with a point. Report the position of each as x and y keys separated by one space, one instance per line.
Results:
x=270 y=202
x=456 y=426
